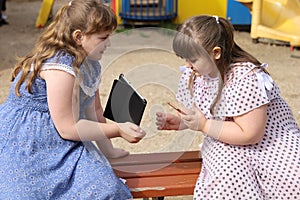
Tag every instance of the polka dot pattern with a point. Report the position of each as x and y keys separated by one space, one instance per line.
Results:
x=269 y=169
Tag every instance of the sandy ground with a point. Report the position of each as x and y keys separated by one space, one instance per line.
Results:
x=146 y=59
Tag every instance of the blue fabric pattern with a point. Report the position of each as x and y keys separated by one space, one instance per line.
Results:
x=36 y=163
x=89 y=79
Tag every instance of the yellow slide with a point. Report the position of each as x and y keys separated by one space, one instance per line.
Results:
x=275 y=19
x=44 y=13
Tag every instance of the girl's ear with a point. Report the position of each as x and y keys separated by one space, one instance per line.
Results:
x=77 y=36
x=216 y=52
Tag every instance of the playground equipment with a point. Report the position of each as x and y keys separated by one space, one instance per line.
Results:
x=148 y=10
x=178 y=10
x=275 y=19
x=234 y=11
x=44 y=13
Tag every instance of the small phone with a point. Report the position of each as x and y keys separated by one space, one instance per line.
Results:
x=176 y=108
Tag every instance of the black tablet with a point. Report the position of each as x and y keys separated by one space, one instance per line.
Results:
x=124 y=103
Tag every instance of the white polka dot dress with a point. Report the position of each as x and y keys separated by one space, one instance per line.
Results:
x=267 y=170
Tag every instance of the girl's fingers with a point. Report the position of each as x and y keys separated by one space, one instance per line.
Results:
x=159 y=114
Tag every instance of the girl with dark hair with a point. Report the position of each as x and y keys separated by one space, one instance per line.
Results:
x=251 y=148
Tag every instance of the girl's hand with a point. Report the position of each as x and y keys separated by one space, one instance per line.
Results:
x=131 y=132
x=194 y=119
x=167 y=121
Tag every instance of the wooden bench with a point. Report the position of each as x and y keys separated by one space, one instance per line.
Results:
x=158 y=175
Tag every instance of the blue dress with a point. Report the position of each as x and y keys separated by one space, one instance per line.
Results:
x=36 y=163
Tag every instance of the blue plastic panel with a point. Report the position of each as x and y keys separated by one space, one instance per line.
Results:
x=237 y=13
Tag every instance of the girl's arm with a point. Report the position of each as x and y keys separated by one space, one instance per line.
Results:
x=95 y=113
x=64 y=112
x=99 y=108
x=245 y=129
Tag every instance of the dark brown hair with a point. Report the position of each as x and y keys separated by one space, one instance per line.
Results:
x=203 y=33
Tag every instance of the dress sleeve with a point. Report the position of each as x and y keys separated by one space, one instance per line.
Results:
x=246 y=94
x=58 y=66
x=60 y=61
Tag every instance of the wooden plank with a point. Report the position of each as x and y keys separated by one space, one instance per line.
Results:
x=151 y=158
x=155 y=170
x=162 y=186
x=159 y=174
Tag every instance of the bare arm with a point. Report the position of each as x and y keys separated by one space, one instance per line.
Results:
x=63 y=109
x=245 y=129
x=99 y=108
x=94 y=111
